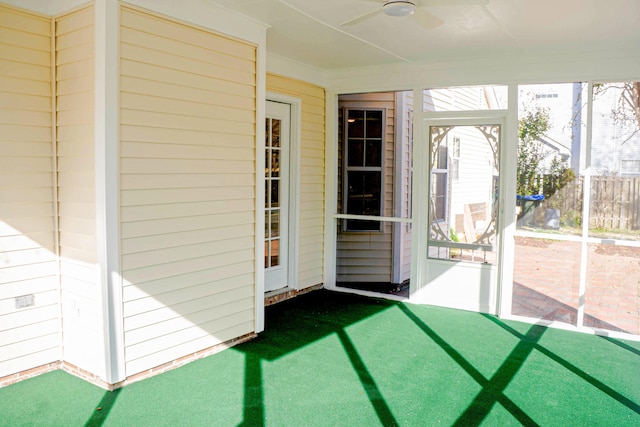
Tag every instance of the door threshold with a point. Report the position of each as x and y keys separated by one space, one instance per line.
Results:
x=387 y=288
x=283 y=294
x=371 y=294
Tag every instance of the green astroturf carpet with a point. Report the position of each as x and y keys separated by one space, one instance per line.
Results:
x=331 y=359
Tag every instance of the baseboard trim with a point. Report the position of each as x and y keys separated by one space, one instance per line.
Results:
x=96 y=380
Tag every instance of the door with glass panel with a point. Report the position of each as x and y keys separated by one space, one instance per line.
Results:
x=462 y=213
x=276 y=208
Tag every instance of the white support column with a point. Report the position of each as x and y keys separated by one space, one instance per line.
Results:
x=330 y=189
x=107 y=182
x=508 y=180
x=420 y=189
x=586 y=209
x=261 y=101
x=398 y=194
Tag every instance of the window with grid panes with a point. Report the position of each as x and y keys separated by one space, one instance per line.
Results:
x=364 y=153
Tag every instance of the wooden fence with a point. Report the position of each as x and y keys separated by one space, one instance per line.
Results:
x=615 y=202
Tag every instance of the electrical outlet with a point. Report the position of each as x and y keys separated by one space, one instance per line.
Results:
x=25 y=301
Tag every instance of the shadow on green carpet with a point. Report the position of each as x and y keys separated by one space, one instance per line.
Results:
x=332 y=359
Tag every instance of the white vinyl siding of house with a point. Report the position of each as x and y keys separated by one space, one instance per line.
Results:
x=474 y=184
x=470 y=98
x=30 y=336
x=82 y=334
x=616 y=146
x=188 y=120
x=368 y=256
x=311 y=185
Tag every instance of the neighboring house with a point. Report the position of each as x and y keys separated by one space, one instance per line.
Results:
x=615 y=147
x=565 y=105
x=616 y=133
x=554 y=149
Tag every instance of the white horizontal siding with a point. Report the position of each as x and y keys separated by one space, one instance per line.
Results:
x=208 y=327
x=235 y=259
x=187 y=181
x=194 y=340
x=76 y=189
x=31 y=286
x=180 y=323
x=311 y=183
x=206 y=192
x=25 y=225
x=199 y=283
x=169 y=254
x=470 y=98
x=135 y=213
x=186 y=238
x=475 y=175
x=29 y=337
x=176 y=225
x=29 y=240
x=208 y=302
x=16 y=336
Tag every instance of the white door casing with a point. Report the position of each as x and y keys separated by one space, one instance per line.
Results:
x=277 y=190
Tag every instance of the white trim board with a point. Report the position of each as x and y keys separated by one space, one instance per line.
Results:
x=294 y=182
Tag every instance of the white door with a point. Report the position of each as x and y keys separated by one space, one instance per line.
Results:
x=276 y=208
x=461 y=213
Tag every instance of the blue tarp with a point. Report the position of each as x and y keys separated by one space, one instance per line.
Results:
x=534 y=197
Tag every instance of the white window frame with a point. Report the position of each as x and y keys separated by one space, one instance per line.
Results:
x=346 y=168
x=635 y=169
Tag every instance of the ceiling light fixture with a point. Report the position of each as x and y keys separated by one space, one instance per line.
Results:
x=399 y=8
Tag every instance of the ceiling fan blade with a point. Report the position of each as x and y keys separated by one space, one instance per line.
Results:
x=361 y=18
x=427 y=3
x=427 y=20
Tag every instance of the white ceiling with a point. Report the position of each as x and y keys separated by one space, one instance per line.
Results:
x=311 y=31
